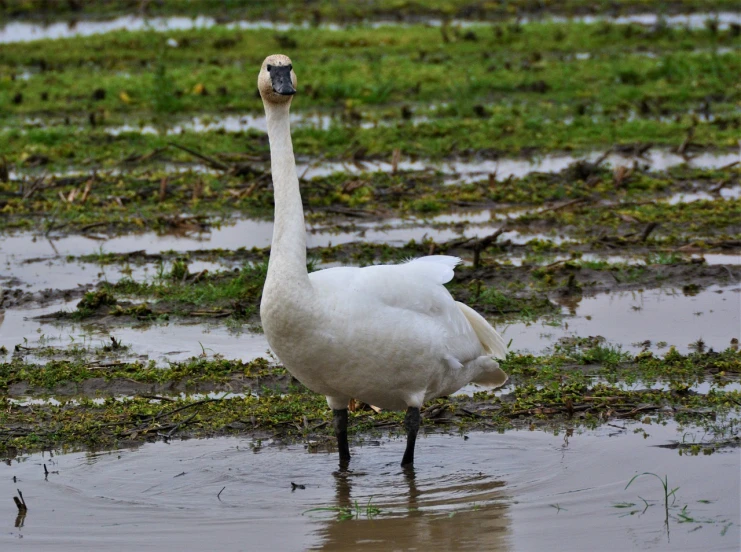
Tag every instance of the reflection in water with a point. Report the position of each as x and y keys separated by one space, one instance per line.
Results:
x=454 y=512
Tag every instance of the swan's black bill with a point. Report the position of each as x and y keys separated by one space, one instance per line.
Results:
x=280 y=76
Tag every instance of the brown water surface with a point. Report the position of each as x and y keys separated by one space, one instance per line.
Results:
x=514 y=491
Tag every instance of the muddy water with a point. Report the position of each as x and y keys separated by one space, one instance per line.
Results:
x=21 y=31
x=512 y=491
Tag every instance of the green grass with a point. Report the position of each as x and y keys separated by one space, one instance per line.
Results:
x=519 y=76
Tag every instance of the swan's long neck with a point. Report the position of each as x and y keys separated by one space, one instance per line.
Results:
x=287 y=265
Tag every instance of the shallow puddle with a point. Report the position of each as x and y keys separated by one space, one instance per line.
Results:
x=54 y=273
x=734 y=192
x=514 y=491
x=197 y=124
x=22 y=31
x=462 y=171
x=628 y=319
x=247 y=233
x=458 y=171
x=665 y=317
x=161 y=342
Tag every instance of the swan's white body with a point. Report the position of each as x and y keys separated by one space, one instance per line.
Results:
x=388 y=335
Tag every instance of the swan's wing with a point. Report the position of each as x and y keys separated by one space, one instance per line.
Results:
x=412 y=291
x=416 y=285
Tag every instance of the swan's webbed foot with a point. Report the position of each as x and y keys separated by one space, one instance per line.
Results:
x=340 y=430
x=411 y=424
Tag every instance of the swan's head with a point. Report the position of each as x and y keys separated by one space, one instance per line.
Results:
x=276 y=81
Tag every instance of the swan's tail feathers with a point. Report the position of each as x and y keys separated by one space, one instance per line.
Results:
x=438 y=268
x=488 y=336
x=491 y=375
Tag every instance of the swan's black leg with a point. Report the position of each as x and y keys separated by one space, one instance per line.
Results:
x=340 y=430
x=411 y=424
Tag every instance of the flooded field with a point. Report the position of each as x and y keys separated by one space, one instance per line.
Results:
x=586 y=168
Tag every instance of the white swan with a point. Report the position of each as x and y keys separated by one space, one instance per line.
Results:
x=388 y=335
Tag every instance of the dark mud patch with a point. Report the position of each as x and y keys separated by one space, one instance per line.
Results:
x=16 y=297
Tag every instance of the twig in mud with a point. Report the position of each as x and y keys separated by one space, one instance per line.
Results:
x=636 y=411
x=20 y=502
x=221 y=491
x=214 y=314
x=259 y=182
x=140 y=158
x=86 y=191
x=601 y=158
x=191 y=405
x=295 y=486
x=35 y=186
x=96 y=366
x=562 y=206
x=681 y=150
x=163 y=189
x=650 y=227
x=92 y=225
x=716 y=189
x=395 y=158
x=157 y=398
x=215 y=163
x=178 y=426
x=483 y=243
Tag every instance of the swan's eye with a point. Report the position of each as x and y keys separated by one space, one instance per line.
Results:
x=290 y=67
x=269 y=68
